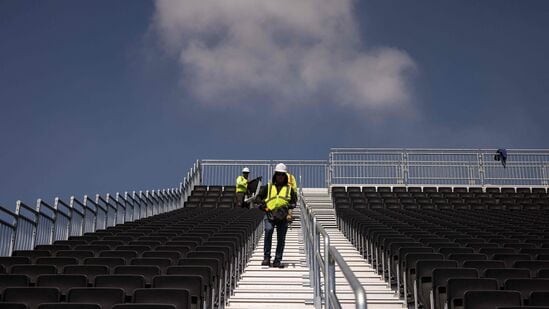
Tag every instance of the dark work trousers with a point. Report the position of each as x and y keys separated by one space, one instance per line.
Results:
x=240 y=199
x=281 y=229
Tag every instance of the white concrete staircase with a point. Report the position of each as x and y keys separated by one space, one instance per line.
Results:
x=378 y=293
x=267 y=287
x=274 y=288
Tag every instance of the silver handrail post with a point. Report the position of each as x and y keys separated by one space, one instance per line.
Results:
x=327 y=271
x=316 y=269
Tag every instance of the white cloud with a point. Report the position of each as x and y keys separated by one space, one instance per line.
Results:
x=281 y=52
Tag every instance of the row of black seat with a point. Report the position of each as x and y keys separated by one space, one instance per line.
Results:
x=212 y=189
x=212 y=197
x=439 y=199
x=100 y=297
x=441 y=189
x=435 y=256
x=197 y=252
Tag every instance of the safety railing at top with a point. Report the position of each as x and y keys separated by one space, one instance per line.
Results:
x=45 y=223
x=224 y=172
x=322 y=264
x=465 y=167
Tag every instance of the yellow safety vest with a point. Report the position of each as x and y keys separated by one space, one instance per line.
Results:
x=241 y=184
x=277 y=199
x=292 y=182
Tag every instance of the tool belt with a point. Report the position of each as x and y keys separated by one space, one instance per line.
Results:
x=279 y=214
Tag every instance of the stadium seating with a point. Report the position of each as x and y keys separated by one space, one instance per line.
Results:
x=452 y=246
x=187 y=258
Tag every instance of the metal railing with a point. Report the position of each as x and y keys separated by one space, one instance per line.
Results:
x=224 y=172
x=45 y=223
x=466 y=167
x=322 y=264
x=30 y=226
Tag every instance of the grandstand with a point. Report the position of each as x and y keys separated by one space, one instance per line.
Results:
x=375 y=228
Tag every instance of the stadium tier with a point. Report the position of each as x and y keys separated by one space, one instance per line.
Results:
x=433 y=245
x=374 y=228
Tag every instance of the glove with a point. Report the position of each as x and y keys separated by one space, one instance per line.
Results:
x=263 y=207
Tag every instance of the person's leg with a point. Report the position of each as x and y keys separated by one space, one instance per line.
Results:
x=281 y=229
x=269 y=229
x=239 y=199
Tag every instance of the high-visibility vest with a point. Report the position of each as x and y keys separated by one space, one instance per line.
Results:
x=276 y=199
x=292 y=182
x=241 y=184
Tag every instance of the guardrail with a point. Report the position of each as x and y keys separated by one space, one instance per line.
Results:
x=465 y=167
x=43 y=224
x=323 y=265
x=224 y=172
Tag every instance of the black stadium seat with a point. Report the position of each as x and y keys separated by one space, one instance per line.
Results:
x=127 y=255
x=543 y=273
x=31 y=254
x=105 y=297
x=33 y=271
x=180 y=298
x=532 y=266
x=10 y=305
x=440 y=282
x=110 y=262
x=69 y=306
x=58 y=262
x=424 y=277
x=188 y=282
x=62 y=282
x=144 y=306
x=128 y=283
x=491 y=299
x=457 y=287
x=90 y=271
x=147 y=271
x=32 y=296
x=8 y=280
x=481 y=266
x=502 y=274
x=527 y=286
x=79 y=254
x=539 y=298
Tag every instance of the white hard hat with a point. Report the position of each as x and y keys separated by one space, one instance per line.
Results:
x=281 y=167
x=245 y=170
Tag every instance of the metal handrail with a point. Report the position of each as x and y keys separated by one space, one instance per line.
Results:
x=325 y=266
x=449 y=167
x=26 y=227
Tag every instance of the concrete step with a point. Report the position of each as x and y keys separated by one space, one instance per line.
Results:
x=266 y=287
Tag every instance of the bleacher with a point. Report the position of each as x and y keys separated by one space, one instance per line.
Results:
x=187 y=258
x=405 y=228
x=456 y=246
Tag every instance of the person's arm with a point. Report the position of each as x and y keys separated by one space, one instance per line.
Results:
x=293 y=199
x=260 y=197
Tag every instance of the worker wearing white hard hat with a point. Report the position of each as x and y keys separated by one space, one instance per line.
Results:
x=277 y=198
x=242 y=187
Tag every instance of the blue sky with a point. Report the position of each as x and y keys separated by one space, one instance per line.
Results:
x=107 y=96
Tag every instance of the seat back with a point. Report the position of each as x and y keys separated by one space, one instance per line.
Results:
x=527 y=286
x=502 y=274
x=491 y=299
x=129 y=283
x=105 y=297
x=440 y=282
x=33 y=271
x=457 y=288
x=31 y=297
x=180 y=298
x=62 y=282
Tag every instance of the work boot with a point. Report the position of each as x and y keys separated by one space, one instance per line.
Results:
x=266 y=262
x=278 y=264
